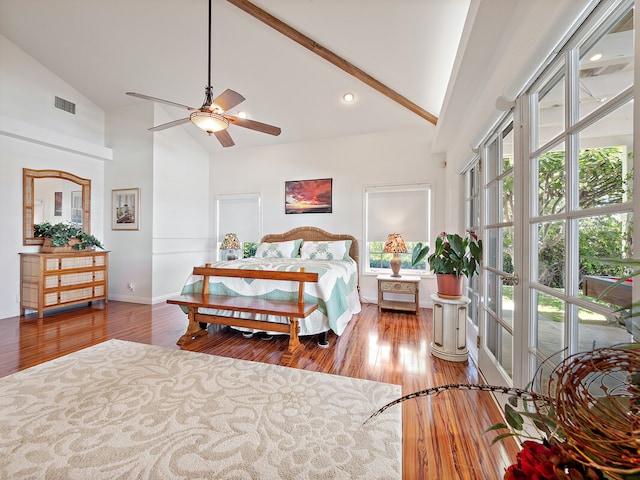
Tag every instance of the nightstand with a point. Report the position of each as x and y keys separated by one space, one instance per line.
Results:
x=406 y=285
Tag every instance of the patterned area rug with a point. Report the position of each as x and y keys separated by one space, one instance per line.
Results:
x=123 y=410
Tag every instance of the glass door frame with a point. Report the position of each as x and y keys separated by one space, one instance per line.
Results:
x=525 y=358
x=489 y=364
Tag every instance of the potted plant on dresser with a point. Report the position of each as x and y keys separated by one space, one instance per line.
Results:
x=64 y=237
x=455 y=256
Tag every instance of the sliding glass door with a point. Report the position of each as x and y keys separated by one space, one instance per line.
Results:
x=496 y=352
x=557 y=197
x=580 y=197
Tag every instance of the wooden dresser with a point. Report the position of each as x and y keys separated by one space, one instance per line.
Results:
x=53 y=280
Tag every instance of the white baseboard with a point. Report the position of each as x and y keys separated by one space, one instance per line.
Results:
x=368 y=300
x=164 y=298
x=130 y=299
x=143 y=300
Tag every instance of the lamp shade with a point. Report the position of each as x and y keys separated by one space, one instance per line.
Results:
x=395 y=244
x=230 y=242
x=208 y=121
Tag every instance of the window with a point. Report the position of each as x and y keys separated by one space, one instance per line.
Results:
x=76 y=207
x=555 y=196
x=403 y=209
x=499 y=252
x=581 y=200
x=472 y=222
x=239 y=214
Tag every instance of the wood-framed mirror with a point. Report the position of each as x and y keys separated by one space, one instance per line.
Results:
x=54 y=196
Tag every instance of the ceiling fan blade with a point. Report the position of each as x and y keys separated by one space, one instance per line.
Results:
x=164 y=126
x=228 y=99
x=224 y=138
x=159 y=100
x=253 y=125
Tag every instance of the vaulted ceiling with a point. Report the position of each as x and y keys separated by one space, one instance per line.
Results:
x=395 y=57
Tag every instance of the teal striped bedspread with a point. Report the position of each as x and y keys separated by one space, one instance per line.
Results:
x=336 y=291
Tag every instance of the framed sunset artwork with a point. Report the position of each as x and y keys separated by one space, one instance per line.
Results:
x=308 y=196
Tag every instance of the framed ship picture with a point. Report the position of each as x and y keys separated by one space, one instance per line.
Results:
x=125 y=209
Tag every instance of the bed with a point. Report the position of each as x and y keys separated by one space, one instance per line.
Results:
x=335 y=257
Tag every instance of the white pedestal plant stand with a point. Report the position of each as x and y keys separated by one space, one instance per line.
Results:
x=450 y=328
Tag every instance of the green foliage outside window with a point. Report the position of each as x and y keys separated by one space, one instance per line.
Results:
x=604 y=177
x=249 y=249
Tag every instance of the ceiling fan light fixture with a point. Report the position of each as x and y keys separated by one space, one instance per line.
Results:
x=210 y=116
x=209 y=122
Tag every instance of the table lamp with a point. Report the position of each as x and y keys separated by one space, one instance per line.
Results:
x=231 y=244
x=395 y=244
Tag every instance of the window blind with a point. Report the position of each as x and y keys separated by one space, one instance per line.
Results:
x=239 y=214
x=402 y=209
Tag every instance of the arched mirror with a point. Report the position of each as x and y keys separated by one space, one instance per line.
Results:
x=54 y=196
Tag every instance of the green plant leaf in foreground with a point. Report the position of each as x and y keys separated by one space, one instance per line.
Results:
x=419 y=252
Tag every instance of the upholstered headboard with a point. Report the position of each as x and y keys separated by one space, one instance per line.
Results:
x=315 y=234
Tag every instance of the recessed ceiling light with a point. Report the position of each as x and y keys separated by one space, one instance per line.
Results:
x=242 y=114
x=348 y=97
x=595 y=57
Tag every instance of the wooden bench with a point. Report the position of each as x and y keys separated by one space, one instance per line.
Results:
x=294 y=310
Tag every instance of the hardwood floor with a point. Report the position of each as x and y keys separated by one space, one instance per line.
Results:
x=442 y=435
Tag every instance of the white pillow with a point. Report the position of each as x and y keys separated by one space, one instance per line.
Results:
x=288 y=249
x=338 y=250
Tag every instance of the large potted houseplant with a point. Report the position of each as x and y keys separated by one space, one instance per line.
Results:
x=64 y=237
x=455 y=256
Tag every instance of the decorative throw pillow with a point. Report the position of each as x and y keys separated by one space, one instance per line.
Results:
x=290 y=249
x=338 y=250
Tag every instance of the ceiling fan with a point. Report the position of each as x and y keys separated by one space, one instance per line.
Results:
x=210 y=117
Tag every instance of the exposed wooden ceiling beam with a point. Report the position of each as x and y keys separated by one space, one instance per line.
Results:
x=331 y=57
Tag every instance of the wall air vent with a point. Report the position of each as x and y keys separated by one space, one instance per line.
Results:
x=65 y=105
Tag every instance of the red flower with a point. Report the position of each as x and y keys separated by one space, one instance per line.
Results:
x=538 y=461
x=513 y=473
x=541 y=461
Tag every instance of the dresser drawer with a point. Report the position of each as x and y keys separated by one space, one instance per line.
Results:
x=398 y=287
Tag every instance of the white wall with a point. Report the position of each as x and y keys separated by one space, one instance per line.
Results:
x=132 y=167
x=53 y=139
x=172 y=172
x=28 y=92
x=498 y=55
x=353 y=162
x=182 y=219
